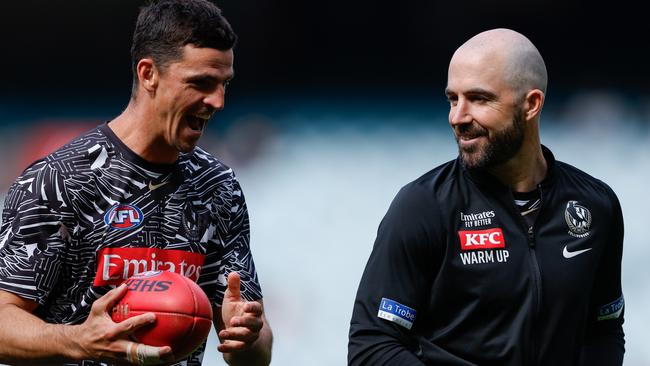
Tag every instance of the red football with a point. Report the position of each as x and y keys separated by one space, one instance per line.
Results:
x=183 y=311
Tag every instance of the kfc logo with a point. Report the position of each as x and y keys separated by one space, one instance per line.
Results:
x=481 y=239
x=123 y=217
x=115 y=265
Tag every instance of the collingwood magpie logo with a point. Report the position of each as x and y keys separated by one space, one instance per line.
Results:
x=195 y=221
x=578 y=218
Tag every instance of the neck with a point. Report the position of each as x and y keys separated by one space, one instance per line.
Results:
x=137 y=127
x=525 y=171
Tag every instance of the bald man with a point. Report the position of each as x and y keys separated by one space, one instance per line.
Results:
x=503 y=256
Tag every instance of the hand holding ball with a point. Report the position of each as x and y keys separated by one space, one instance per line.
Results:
x=183 y=311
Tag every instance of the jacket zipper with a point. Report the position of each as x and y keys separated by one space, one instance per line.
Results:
x=537 y=284
x=537 y=278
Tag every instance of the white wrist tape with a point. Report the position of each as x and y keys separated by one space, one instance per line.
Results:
x=142 y=354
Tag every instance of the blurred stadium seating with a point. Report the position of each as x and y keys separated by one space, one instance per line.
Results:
x=318 y=178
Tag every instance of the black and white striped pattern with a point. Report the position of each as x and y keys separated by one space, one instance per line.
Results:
x=53 y=222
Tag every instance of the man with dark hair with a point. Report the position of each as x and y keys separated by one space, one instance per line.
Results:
x=503 y=256
x=135 y=194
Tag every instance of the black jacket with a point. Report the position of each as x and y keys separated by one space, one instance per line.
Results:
x=455 y=262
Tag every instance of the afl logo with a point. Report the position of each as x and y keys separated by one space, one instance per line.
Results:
x=123 y=217
x=578 y=218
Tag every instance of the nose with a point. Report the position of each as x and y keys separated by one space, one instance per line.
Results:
x=216 y=99
x=459 y=113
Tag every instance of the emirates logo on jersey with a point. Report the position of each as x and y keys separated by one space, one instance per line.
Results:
x=115 y=265
x=481 y=239
x=123 y=216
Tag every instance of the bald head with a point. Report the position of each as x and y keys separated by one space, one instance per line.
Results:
x=519 y=61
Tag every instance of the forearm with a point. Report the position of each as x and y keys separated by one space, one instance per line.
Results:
x=375 y=348
x=259 y=353
x=26 y=339
x=604 y=349
x=401 y=357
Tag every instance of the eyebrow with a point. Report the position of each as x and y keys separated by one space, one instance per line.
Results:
x=207 y=77
x=474 y=91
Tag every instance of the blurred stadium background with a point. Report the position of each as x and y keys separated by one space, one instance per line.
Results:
x=335 y=106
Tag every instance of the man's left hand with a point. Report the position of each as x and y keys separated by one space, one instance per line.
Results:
x=242 y=319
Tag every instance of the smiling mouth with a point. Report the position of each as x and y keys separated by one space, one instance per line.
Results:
x=470 y=131
x=196 y=123
x=469 y=137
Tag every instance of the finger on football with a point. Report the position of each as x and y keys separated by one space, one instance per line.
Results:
x=130 y=325
x=108 y=301
x=142 y=354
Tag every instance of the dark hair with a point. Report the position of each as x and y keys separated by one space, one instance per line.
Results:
x=165 y=26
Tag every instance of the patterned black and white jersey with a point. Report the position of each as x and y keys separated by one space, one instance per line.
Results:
x=83 y=219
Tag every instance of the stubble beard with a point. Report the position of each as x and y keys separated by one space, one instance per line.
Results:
x=501 y=146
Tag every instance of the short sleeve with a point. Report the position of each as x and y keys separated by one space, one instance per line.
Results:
x=35 y=233
x=234 y=252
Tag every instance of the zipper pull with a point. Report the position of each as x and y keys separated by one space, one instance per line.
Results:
x=531 y=237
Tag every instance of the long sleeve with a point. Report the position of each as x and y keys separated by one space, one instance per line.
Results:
x=604 y=342
x=394 y=286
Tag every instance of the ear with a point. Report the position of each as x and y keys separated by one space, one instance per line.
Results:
x=148 y=75
x=533 y=103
